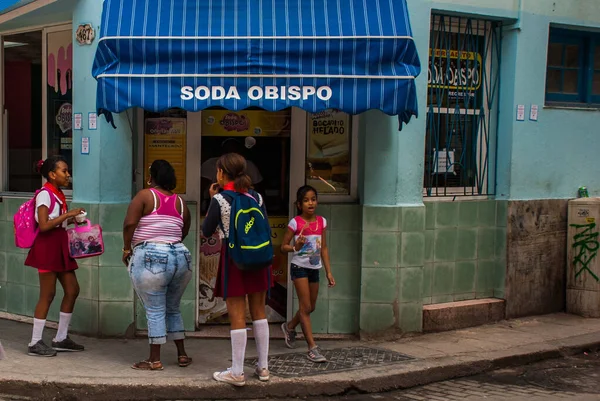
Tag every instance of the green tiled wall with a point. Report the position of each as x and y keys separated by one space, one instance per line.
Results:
x=393 y=251
x=440 y=252
x=388 y=262
x=465 y=250
x=106 y=304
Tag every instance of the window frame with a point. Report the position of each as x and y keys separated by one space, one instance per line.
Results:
x=45 y=30
x=330 y=198
x=483 y=155
x=588 y=42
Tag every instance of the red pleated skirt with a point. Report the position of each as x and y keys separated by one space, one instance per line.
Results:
x=50 y=252
x=240 y=282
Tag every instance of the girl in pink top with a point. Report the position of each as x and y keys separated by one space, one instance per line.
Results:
x=310 y=254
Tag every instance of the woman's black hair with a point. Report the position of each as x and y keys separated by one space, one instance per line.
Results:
x=46 y=166
x=163 y=174
x=300 y=194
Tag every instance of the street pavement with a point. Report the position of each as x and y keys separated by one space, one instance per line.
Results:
x=569 y=378
x=103 y=371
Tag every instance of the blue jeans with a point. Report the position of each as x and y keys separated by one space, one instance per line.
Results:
x=160 y=273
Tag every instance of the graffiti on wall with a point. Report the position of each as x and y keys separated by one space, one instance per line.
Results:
x=585 y=244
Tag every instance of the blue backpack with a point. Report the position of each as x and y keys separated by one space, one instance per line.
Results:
x=249 y=243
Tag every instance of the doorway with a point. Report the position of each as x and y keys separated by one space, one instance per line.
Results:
x=23 y=109
x=265 y=140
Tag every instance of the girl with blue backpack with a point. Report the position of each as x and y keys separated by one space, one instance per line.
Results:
x=239 y=216
x=308 y=230
x=50 y=255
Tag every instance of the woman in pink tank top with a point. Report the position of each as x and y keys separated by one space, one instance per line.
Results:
x=159 y=263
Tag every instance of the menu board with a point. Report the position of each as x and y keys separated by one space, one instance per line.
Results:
x=165 y=138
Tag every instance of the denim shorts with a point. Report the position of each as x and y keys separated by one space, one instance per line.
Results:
x=302 y=272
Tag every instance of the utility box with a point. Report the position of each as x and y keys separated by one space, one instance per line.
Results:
x=583 y=263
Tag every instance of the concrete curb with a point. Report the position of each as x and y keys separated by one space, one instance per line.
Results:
x=385 y=378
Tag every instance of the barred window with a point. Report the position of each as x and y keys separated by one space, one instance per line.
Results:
x=463 y=81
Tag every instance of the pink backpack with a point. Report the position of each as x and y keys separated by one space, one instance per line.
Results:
x=25 y=226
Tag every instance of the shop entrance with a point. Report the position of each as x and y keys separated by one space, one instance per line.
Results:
x=265 y=140
x=274 y=143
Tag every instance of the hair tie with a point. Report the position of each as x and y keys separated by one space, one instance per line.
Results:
x=39 y=165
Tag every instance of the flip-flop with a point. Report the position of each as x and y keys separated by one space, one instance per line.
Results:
x=147 y=365
x=184 y=360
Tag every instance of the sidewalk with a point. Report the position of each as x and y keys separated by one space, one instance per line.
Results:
x=103 y=371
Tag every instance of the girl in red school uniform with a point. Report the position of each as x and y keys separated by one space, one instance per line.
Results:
x=50 y=256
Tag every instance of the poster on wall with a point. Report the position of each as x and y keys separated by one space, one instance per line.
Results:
x=214 y=310
x=246 y=123
x=328 y=152
x=165 y=138
x=59 y=56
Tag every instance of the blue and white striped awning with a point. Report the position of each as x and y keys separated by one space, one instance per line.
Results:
x=351 y=55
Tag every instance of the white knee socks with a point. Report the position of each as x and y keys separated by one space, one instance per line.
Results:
x=261 y=336
x=239 y=338
x=63 y=326
x=38 y=330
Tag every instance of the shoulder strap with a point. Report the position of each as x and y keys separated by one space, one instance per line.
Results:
x=257 y=197
x=181 y=203
x=154 y=196
x=52 y=198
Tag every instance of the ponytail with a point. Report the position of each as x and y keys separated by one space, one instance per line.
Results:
x=242 y=183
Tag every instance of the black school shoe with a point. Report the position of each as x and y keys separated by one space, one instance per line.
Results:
x=41 y=349
x=67 y=345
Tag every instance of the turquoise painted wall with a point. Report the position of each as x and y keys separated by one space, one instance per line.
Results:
x=550 y=158
x=105 y=174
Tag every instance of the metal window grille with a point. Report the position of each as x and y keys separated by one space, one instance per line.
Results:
x=463 y=84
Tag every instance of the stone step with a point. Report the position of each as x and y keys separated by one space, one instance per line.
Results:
x=461 y=314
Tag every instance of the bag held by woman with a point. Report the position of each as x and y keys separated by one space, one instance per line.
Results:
x=85 y=240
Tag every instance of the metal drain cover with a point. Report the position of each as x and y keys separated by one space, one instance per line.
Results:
x=339 y=359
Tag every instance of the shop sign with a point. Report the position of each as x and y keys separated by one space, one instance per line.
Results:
x=85 y=34
x=246 y=123
x=323 y=93
x=64 y=117
x=459 y=72
x=165 y=138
